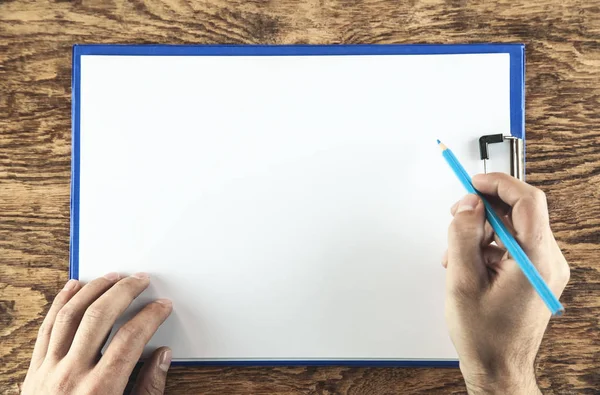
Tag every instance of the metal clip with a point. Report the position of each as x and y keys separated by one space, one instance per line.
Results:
x=517 y=154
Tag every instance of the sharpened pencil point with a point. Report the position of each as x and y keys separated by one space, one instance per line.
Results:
x=438 y=141
x=442 y=146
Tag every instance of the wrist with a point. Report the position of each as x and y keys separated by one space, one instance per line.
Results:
x=516 y=383
x=504 y=387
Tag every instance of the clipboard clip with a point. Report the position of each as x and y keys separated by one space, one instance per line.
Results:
x=517 y=154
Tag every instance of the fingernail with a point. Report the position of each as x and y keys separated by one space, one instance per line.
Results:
x=113 y=276
x=166 y=302
x=70 y=285
x=141 y=275
x=467 y=203
x=165 y=360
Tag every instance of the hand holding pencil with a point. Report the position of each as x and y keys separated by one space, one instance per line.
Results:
x=495 y=317
x=508 y=240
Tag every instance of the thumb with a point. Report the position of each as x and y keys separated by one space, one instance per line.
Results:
x=466 y=267
x=153 y=375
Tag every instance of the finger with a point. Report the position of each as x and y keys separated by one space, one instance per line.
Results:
x=501 y=208
x=41 y=344
x=493 y=257
x=504 y=186
x=526 y=200
x=529 y=215
x=488 y=234
x=466 y=270
x=454 y=207
x=530 y=222
x=127 y=345
x=491 y=236
x=100 y=317
x=98 y=354
x=153 y=376
x=69 y=316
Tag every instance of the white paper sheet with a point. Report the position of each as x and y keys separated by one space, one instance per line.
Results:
x=291 y=207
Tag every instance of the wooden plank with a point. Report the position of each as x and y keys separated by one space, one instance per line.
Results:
x=563 y=155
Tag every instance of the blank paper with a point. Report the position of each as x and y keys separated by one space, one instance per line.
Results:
x=292 y=207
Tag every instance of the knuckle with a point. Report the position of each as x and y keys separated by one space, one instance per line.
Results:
x=67 y=315
x=535 y=236
x=61 y=299
x=97 y=313
x=120 y=359
x=453 y=227
x=45 y=329
x=99 y=386
x=100 y=283
x=463 y=227
x=509 y=187
x=539 y=196
x=456 y=225
x=556 y=276
x=535 y=203
x=564 y=274
x=131 y=333
x=96 y=387
x=64 y=382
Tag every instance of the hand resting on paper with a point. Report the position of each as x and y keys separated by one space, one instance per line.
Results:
x=495 y=318
x=66 y=357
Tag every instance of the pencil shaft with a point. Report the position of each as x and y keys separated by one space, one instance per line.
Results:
x=512 y=246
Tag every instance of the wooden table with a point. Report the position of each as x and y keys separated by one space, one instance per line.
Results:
x=563 y=155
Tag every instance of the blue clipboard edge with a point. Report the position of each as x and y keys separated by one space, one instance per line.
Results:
x=517 y=126
x=383 y=363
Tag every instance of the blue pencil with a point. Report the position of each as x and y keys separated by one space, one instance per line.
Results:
x=513 y=248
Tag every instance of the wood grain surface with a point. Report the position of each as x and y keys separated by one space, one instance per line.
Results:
x=563 y=155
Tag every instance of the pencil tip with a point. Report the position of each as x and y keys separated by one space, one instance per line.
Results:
x=438 y=141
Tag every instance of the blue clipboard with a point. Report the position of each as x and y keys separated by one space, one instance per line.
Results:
x=517 y=129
